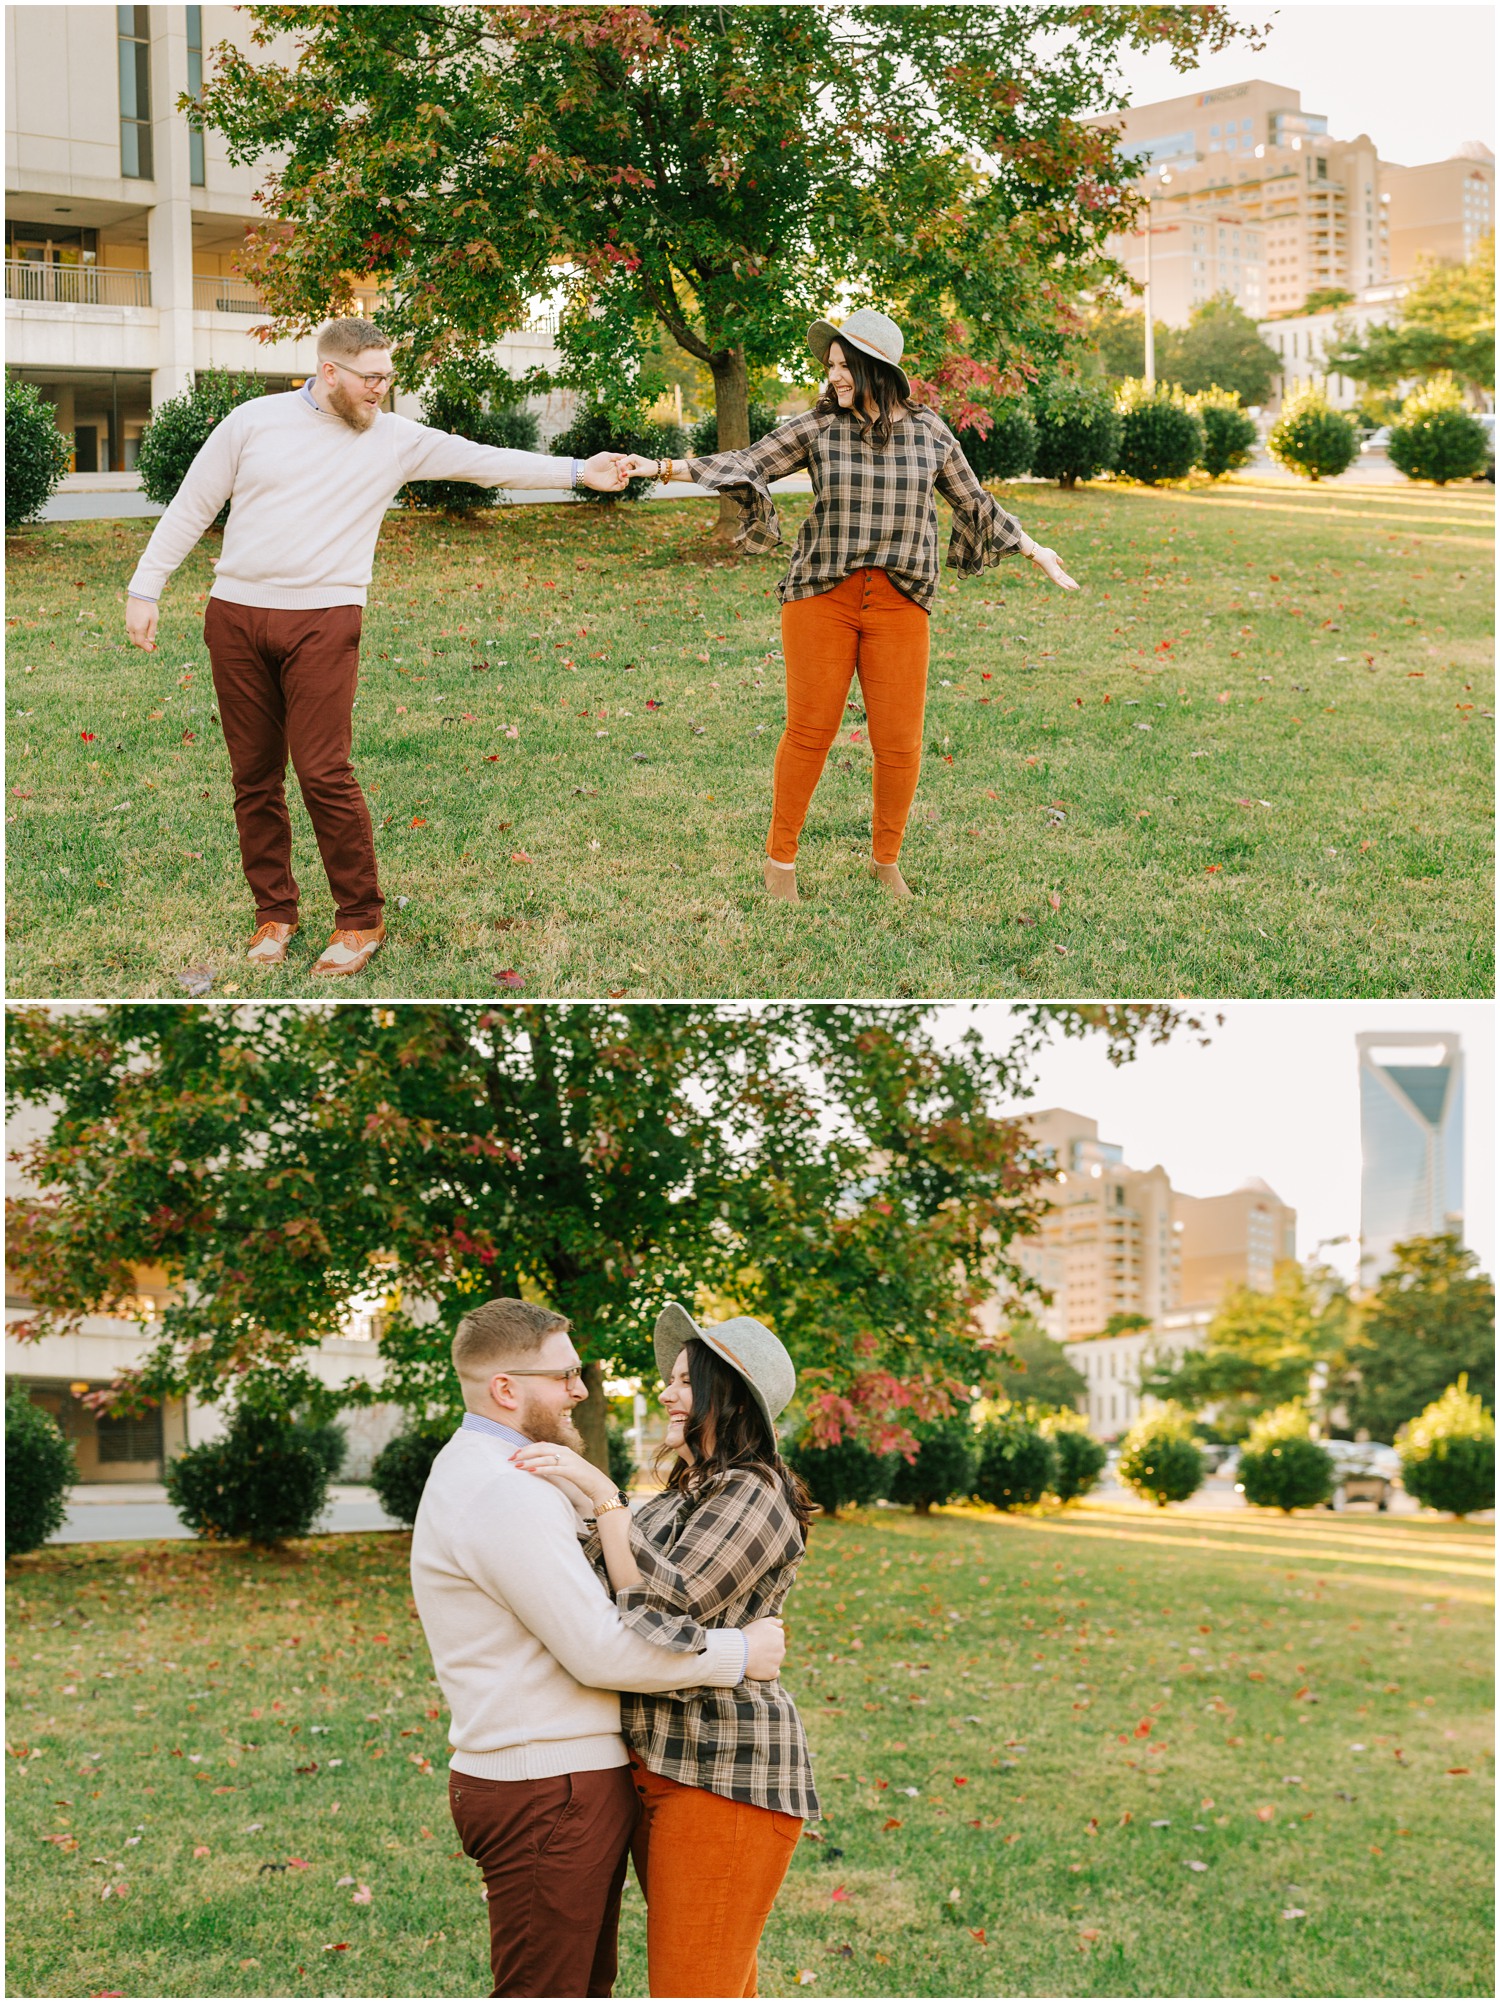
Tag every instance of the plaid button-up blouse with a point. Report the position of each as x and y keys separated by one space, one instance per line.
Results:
x=872 y=505
x=720 y=1562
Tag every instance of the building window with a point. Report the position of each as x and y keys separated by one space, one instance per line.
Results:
x=195 y=89
x=135 y=93
x=131 y=1439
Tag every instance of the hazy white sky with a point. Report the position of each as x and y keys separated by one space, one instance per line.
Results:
x=1419 y=80
x=1275 y=1094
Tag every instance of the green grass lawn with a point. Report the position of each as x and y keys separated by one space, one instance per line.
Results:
x=1249 y=757
x=1098 y=1753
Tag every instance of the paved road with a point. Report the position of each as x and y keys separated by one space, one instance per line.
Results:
x=141 y=1511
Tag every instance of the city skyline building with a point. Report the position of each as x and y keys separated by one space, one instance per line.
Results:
x=1313 y=212
x=1411 y=1107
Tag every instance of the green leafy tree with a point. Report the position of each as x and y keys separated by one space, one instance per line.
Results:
x=1437 y=437
x=1159 y=1458
x=179 y=430
x=488 y=420
x=39 y=1471
x=1282 y=1466
x=1261 y=1348
x=703 y=439
x=722 y=172
x=839 y=1171
x=1017 y=1462
x=1161 y=437
x=36 y=452
x=1077 y=429
x=943 y=1470
x=1430 y=1319
x=1228 y=432
x=1042 y=1373
x=1221 y=348
x=1310 y=437
x=1446 y=323
x=1080 y=1459
x=1324 y=299
x=1117 y=335
x=1448 y=1453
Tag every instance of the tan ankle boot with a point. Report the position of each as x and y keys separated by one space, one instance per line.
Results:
x=889 y=874
x=781 y=881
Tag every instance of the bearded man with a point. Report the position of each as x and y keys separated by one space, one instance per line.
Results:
x=531 y=1655
x=310 y=475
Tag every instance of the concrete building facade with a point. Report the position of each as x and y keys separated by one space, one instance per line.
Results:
x=1121 y=1242
x=1322 y=212
x=122 y=228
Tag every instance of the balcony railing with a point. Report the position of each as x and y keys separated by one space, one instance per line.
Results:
x=233 y=295
x=75 y=284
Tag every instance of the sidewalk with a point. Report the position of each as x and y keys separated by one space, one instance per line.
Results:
x=131 y=1511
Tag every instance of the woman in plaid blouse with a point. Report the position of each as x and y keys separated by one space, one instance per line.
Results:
x=723 y=1775
x=859 y=590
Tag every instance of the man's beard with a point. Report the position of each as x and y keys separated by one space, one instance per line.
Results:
x=358 y=415
x=554 y=1429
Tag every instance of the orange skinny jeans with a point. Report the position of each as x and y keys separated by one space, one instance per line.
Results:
x=710 y=1869
x=863 y=626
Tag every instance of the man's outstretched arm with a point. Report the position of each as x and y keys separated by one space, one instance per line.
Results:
x=442 y=455
x=206 y=486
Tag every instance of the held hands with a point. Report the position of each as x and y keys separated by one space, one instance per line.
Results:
x=641 y=468
x=140 y=623
x=605 y=472
x=1048 y=562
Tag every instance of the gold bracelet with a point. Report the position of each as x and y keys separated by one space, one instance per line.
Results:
x=665 y=476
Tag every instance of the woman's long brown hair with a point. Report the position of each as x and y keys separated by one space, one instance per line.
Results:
x=877 y=380
x=725 y=1430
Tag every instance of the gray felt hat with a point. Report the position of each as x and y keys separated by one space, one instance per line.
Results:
x=873 y=333
x=746 y=1346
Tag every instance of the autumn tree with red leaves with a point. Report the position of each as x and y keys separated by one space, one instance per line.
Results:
x=840 y=1170
x=726 y=172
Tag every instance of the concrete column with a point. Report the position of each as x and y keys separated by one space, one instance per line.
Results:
x=170 y=227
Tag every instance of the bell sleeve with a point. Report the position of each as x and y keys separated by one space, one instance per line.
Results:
x=983 y=532
x=747 y=473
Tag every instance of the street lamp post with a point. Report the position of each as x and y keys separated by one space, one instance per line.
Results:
x=1163 y=180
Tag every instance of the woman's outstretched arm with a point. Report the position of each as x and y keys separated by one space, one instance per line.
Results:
x=983 y=532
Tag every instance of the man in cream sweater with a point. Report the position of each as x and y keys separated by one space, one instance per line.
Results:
x=310 y=475
x=530 y=1655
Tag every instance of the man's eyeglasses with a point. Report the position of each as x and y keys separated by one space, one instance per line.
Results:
x=562 y=1376
x=371 y=382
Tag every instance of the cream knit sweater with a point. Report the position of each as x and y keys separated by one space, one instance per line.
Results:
x=529 y=1650
x=309 y=496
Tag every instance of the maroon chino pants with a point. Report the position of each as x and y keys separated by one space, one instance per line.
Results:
x=553 y=1857
x=285 y=683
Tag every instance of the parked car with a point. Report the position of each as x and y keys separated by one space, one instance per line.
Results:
x=1216 y=1455
x=1364 y=1471
x=1377 y=441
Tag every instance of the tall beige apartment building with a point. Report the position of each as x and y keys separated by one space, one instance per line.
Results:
x=1314 y=212
x=1121 y=1241
x=122 y=224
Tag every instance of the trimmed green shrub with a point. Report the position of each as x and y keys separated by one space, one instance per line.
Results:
x=1017 y=1462
x=329 y=1442
x=1228 y=431
x=1160 y=1459
x=1312 y=438
x=1282 y=1466
x=264 y=1481
x=1448 y=1453
x=39 y=1470
x=944 y=1468
x=450 y=409
x=703 y=437
x=399 y=1472
x=1011 y=446
x=1161 y=436
x=1080 y=1457
x=839 y=1476
x=621 y=1454
x=1437 y=437
x=179 y=430
x=1077 y=429
x=604 y=430
x=36 y=452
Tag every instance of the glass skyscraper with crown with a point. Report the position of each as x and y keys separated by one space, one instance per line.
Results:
x=1411 y=1107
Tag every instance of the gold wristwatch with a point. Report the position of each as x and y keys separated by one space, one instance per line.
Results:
x=619 y=1500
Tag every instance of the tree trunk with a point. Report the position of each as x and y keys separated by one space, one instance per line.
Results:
x=923 y=1508
x=592 y=1417
x=732 y=409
